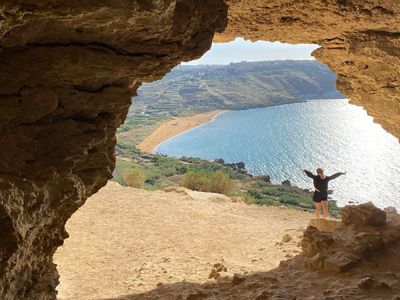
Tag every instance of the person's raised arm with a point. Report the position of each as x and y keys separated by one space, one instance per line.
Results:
x=308 y=173
x=336 y=175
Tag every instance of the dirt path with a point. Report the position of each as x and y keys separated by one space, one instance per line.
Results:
x=128 y=241
x=174 y=127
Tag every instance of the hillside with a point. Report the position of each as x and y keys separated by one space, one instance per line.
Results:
x=155 y=172
x=189 y=90
x=236 y=86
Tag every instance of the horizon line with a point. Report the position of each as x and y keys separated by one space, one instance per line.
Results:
x=187 y=64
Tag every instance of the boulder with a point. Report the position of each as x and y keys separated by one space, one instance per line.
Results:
x=316 y=241
x=363 y=214
x=340 y=262
x=333 y=246
x=391 y=214
x=219 y=161
x=325 y=225
x=240 y=165
x=286 y=182
x=390 y=210
x=265 y=178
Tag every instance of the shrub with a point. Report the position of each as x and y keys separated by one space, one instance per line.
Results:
x=266 y=201
x=221 y=183
x=134 y=177
x=217 y=182
x=248 y=199
x=193 y=181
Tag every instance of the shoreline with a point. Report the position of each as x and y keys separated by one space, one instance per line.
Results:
x=175 y=127
x=182 y=124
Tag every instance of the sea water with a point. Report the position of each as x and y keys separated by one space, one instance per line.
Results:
x=280 y=140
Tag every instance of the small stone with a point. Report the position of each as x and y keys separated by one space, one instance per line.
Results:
x=340 y=262
x=197 y=295
x=264 y=295
x=286 y=238
x=327 y=292
x=238 y=279
x=384 y=285
x=366 y=282
x=213 y=273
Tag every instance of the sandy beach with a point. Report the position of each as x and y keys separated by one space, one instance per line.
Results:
x=176 y=126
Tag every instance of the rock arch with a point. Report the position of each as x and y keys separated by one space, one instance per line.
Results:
x=68 y=69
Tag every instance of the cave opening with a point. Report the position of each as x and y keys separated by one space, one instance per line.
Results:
x=159 y=261
x=66 y=77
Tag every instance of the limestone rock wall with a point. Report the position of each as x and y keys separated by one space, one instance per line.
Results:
x=360 y=42
x=68 y=70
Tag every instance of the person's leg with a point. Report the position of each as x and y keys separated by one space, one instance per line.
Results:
x=317 y=209
x=324 y=204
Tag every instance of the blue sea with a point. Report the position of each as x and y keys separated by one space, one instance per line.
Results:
x=280 y=140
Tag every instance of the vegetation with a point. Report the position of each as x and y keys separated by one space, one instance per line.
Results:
x=138 y=126
x=134 y=177
x=154 y=172
x=216 y=182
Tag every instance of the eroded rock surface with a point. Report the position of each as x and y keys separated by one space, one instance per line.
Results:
x=67 y=73
x=360 y=42
x=363 y=214
x=362 y=233
x=68 y=69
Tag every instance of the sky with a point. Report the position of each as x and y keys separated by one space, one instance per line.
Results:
x=241 y=50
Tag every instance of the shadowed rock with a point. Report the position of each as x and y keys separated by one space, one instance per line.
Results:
x=68 y=70
x=363 y=214
x=339 y=246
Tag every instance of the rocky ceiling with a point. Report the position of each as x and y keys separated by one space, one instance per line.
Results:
x=68 y=69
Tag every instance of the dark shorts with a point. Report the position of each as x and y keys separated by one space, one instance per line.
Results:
x=318 y=196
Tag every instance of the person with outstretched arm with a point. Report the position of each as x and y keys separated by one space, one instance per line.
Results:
x=320 y=196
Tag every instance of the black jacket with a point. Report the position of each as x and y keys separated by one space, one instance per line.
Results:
x=322 y=184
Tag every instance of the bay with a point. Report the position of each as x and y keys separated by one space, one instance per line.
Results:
x=280 y=140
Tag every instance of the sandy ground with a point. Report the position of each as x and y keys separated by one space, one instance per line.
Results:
x=126 y=241
x=174 y=127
